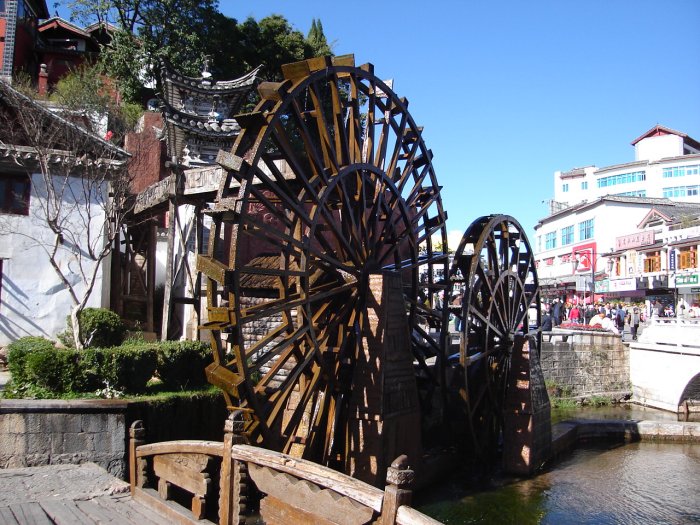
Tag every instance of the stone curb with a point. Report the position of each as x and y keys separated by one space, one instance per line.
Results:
x=566 y=434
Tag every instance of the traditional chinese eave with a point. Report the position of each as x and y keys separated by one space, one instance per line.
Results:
x=25 y=155
x=228 y=95
x=12 y=101
x=198 y=113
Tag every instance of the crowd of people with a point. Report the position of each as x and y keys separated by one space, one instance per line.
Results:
x=609 y=316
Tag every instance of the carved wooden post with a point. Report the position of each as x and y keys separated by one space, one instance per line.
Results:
x=137 y=467
x=233 y=493
x=399 y=478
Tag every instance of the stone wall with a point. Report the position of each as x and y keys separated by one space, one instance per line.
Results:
x=584 y=364
x=51 y=432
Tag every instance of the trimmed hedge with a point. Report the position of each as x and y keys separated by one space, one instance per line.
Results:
x=19 y=350
x=38 y=368
x=181 y=363
x=100 y=327
x=126 y=368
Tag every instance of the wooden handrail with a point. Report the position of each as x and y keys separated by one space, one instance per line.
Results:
x=304 y=469
x=210 y=448
x=241 y=462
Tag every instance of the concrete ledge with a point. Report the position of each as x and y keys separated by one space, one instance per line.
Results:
x=16 y=406
x=567 y=434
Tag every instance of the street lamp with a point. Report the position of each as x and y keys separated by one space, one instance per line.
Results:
x=591 y=256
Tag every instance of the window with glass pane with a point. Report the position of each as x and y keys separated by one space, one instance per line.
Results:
x=550 y=240
x=585 y=230
x=14 y=194
x=567 y=235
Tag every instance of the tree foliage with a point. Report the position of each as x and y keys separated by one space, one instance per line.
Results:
x=185 y=32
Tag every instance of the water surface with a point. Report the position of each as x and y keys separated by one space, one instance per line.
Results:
x=636 y=484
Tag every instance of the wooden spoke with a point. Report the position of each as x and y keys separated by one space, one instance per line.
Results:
x=497 y=267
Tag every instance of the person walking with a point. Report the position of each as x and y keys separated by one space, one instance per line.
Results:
x=620 y=317
x=556 y=312
x=634 y=318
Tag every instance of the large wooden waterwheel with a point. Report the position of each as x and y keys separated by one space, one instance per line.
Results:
x=495 y=265
x=329 y=182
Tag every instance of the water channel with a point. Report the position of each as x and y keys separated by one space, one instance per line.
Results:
x=598 y=484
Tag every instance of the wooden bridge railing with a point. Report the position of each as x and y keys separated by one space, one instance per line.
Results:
x=290 y=490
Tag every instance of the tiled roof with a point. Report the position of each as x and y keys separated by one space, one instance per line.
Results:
x=202 y=108
x=56 y=22
x=667 y=205
x=11 y=98
x=663 y=130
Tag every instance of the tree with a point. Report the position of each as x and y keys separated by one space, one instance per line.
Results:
x=79 y=187
x=316 y=40
x=185 y=32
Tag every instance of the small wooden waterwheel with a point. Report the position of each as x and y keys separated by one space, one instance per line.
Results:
x=328 y=183
x=495 y=264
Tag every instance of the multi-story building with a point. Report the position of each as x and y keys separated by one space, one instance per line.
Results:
x=627 y=228
x=666 y=164
x=18 y=36
x=632 y=248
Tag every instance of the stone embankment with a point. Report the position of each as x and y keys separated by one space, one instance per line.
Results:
x=581 y=364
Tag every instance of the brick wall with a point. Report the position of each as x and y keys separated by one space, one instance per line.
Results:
x=587 y=364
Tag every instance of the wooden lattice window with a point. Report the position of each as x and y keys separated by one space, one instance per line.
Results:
x=652 y=262
x=688 y=258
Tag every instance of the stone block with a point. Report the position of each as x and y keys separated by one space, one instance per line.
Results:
x=38 y=443
x=63 y=422
x=37 y=460
x=12 y=424
x=78 y=442
x=94 y=422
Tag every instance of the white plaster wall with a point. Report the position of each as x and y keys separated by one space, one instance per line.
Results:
x=611 y=220
x=34 y=300
x=654 y=148
x=576 y=192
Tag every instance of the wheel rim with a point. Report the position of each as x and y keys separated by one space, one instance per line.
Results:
x=500 y=279
x=359 y=196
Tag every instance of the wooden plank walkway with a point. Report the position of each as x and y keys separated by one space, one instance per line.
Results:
x=100 y=510
x=82 y=494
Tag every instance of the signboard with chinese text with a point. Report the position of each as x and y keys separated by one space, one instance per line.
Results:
x=635 y=240
x=672 y=259
x=623 y=285
x=687 y=280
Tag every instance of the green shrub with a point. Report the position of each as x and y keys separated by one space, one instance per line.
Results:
x=126 y=368
x=101 y=328
x=181 y=363
x=17 y=356
x=55 y=370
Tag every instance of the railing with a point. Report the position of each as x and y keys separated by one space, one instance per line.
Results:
x=674 y=334
x=291 y=490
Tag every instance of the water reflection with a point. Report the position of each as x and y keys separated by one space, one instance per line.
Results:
x=630 y=411
x=640 y=483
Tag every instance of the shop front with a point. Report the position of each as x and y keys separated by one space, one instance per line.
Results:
x=688 y=291
x=627 y=290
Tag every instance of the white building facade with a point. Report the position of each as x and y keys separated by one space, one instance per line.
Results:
x=33 y=299
x=667 y=164
x=626 y=232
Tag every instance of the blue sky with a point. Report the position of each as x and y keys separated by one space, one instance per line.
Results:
x=510 y=91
